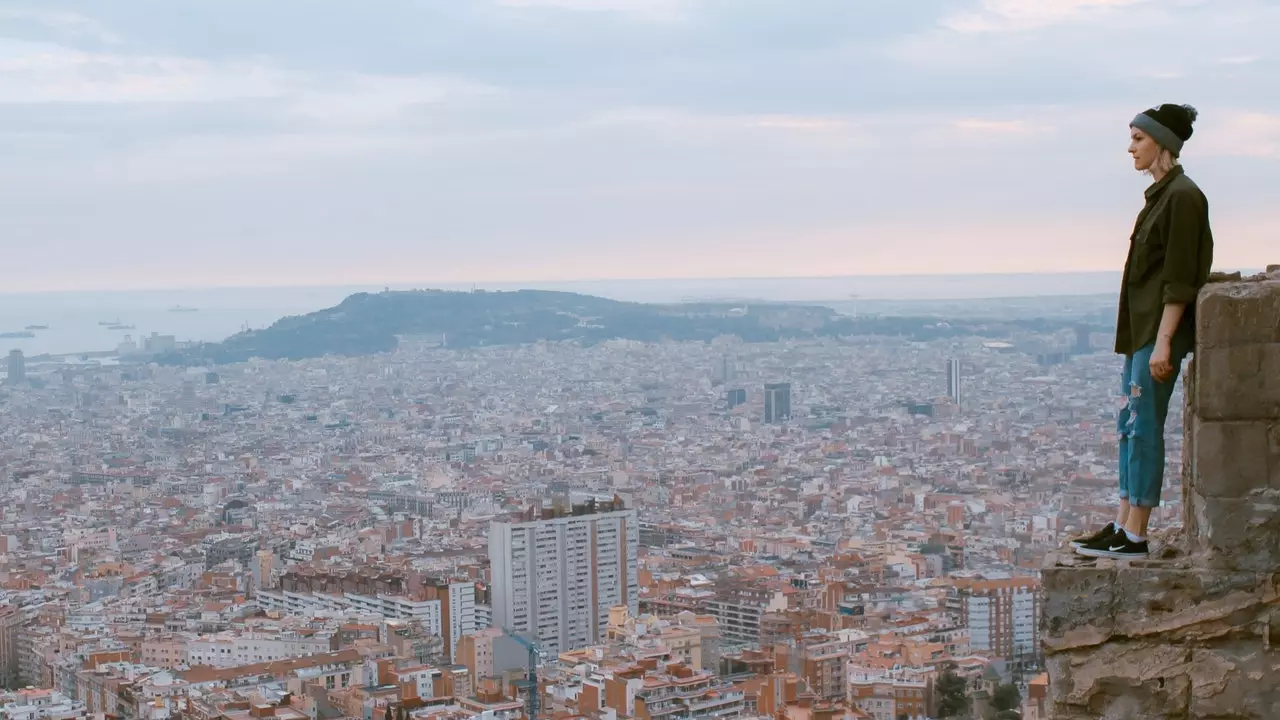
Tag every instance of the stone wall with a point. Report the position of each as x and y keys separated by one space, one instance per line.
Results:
x=1194 y=631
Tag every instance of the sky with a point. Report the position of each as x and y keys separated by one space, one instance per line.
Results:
x=192 y=143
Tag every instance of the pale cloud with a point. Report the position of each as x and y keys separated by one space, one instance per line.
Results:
x=801 y=124
x=70 y=23
x=718 y=122
x=1014 y=15
x=1000 y=127
x=1241 y=133
x=35 y=74
x=660 y=10
x=45 y=73
x=1239 y=60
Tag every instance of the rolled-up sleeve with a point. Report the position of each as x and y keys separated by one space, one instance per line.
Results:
x=1187 y=220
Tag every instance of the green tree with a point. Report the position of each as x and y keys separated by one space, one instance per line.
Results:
x=1008 y=715
x=1007 y=697
x=953 y=700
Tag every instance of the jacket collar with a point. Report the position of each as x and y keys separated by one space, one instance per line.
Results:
x=1156 y=187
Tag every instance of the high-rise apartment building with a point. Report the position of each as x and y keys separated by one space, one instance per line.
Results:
x=954 y=389
x=1003 y=616
x=10 y=622
x=1084 y=340
x=17 y=367
x=725 y=370
x=777 y=402
x=557 y=575
x=735 y=397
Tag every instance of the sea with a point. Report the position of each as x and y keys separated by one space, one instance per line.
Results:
x=81 y=322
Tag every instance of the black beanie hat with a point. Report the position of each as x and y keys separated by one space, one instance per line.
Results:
x=1169 y=124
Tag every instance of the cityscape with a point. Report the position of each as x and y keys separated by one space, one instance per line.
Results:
x=845 y=526
x=639 y=360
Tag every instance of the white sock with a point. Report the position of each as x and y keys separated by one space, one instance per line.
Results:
x=1134 y=538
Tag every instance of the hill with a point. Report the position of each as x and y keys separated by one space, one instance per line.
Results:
x=367 y=323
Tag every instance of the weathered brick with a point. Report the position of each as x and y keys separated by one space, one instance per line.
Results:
x=1238 y=383
x=1239 y=533
x=1240 y=312
x=1232 y=458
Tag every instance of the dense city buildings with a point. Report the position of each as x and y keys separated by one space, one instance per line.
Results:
x=356 y=536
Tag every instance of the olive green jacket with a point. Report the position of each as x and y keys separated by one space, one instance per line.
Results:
x=1170 y=253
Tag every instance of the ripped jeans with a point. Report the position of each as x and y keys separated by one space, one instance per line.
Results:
x=1143 y=410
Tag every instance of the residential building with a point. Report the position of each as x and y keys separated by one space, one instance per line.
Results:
x=556 y=577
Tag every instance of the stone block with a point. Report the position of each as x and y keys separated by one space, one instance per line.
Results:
x=1078 y=604
x=1238 y=313
x=1234 y=680
x=1238 y=383
x=1130 y=680
x=1238 y=533
x=1232 y=458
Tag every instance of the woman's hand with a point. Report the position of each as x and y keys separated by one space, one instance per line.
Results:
x=1161 y=360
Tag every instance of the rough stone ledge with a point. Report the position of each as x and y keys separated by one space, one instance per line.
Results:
x=1089 y=606
x=1163 y=638
x=1153 y=680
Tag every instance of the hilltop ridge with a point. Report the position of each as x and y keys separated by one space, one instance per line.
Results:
x=367 y=323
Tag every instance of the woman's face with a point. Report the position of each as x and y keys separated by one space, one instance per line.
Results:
x=1143 y=149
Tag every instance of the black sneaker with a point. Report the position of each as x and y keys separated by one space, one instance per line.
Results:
x=1107 y=532
x=1119 y=548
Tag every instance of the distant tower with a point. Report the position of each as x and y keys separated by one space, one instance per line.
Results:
x=189 y=403
x=17 y=367
x=723 y=370
x=735 y=397
x=1084 y=344
x=954 y=389
x=777 y=403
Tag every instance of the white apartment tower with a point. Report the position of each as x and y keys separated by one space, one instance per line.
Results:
x=555 y=578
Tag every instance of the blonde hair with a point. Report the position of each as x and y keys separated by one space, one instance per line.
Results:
x=1163 y=163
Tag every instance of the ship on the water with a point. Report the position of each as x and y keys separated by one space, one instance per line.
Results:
x=109 y=322
x=36 y=327
x=181 y=308
x=122 y=327
x=16 y=335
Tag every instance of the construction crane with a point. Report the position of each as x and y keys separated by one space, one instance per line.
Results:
x=535 y=655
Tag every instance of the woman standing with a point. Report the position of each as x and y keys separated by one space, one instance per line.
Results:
x=1170 y=253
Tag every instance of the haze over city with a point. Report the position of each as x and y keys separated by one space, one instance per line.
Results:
x=231 y=143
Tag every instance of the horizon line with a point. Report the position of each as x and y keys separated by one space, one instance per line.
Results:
x=478 y=284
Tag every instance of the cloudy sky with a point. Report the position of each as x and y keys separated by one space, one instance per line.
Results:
x=165 y=143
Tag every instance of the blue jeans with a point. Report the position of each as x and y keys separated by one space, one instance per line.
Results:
x=1141 y=423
